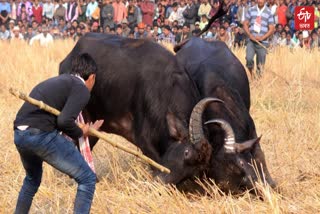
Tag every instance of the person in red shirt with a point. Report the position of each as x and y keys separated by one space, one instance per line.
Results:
x=147 y=8
x=281 y=12
x=37 y=12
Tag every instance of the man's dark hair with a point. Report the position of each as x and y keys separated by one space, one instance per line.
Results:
x=83 y=65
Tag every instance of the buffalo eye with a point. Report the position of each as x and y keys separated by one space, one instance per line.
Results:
x=241 y=163
x=186 y=153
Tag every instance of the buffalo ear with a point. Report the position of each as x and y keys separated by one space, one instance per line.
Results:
x=247 y=145
x=176 y=128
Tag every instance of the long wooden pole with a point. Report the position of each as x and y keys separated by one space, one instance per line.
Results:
x=92 y=131
x=259 y=43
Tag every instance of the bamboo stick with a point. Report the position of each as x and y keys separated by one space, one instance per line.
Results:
x=259 y=43
x=92 y=131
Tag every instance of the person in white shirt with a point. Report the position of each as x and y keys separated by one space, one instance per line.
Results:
x=175 y=15
x=91 y=7
x=16 y=35
x=204 y=8
x=4 y=33
x=44 y=38
x=48 y=9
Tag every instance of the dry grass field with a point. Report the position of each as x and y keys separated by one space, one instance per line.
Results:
x=285 y=108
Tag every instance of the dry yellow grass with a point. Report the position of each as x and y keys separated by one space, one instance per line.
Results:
x=285 y=107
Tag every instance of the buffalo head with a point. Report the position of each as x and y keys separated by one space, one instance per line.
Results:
x=237 y=166
x=190 y=152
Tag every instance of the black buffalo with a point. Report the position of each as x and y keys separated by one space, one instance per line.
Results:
x=144 y=96
x=217 y=72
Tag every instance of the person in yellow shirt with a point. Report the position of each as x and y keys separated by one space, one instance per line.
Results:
x=204 y=21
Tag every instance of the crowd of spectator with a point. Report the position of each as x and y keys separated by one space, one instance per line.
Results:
x=163 y=20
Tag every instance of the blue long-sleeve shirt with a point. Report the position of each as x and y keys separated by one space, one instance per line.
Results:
x=5 y=6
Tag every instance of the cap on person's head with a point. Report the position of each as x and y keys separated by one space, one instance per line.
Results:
x=124 y=21
x=167 y=27
x=95 y=24
x=16 y=28
x=233 y=24
x=11 y=21
x=305 y=34
x=141 y=25
x=197 y=23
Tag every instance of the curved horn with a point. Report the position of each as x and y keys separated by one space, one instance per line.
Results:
x=195 y=124
x=229 y=140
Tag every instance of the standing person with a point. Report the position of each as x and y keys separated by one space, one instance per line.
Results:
x=242 y=10
x=190 y=14
x=120 y=11
x=259 y=26
x=281 y=12
x=204 y=9
x=91 y=7
x=37 y=137
x=13 y=10
x=28 y=8
x=132 y=17
x=48 y=9
x=82 y=8
x=72 y=11
x=147 y=9
x=107 y=14
x=5 y=11
x=37 y=12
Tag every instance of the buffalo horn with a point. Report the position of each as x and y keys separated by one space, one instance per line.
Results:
x=229 y=140
x=195 y=125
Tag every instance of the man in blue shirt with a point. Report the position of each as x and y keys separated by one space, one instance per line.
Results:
x=259 y=26
x=5 y=10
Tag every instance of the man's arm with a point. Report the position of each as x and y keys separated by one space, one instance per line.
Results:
x=268 y=34
x=77 y=100
x=246 y=29
x=271 y=29
x=246 y=24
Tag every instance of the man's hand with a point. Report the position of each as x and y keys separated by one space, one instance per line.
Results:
x=259 y=38
x=97 y=124
x=85 y=127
